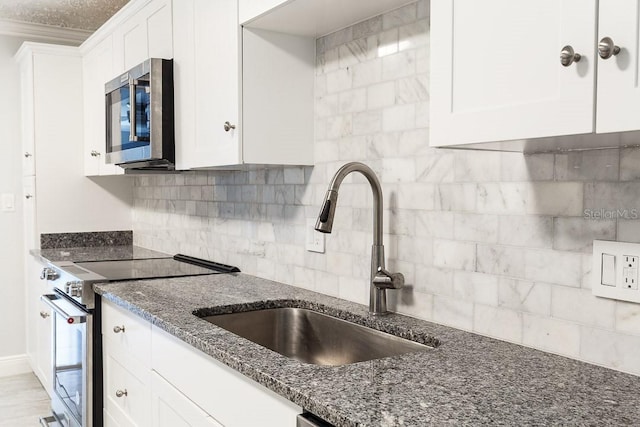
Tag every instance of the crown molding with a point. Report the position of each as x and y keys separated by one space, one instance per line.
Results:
x=42 y=32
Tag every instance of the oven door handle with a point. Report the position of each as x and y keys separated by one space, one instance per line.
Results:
x=48 y=421
x=52 y=301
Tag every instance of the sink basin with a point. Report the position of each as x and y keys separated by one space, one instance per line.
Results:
x=312 y=337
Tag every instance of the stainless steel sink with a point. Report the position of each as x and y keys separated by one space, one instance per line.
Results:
x=313 y=337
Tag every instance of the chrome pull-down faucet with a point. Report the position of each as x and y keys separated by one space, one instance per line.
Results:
x=381 y=279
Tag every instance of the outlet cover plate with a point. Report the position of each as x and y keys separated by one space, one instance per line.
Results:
x=602 y=251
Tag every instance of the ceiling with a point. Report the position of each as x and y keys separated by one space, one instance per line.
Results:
x=77 y=14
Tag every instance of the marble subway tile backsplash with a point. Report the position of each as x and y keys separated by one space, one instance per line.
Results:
x=496 y=243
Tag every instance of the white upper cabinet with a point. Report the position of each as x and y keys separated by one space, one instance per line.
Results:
x=97 y=69
x=62 y=198
x=206 y=83
x=142 y=30
x=237 y=100
x=240 y=97
x=496 y=72
x=146 y=34
x=618 y=86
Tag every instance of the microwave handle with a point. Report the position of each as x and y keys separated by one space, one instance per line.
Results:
x=132 y=110
x=50 y=300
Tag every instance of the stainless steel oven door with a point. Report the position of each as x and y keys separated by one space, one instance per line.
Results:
x=72 y=358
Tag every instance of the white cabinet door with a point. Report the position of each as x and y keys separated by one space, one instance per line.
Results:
x=145 y=35
x=170 y=408
x=29 y=206
x=496 y=72
x=126 y=387
x=618 y=86
x=97 y=69
x=27 y=119
x=127 y=368
x=44 y=347
x=206 y=82
x=38 y=324
x=235 y=401
x=158 y=17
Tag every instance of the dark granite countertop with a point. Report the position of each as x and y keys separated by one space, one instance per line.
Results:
x=96 y=253
x=467 y=380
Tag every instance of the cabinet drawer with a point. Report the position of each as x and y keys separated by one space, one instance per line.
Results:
x=127 y=395
x=133 y=336
x=170 y=408
x=219 y=390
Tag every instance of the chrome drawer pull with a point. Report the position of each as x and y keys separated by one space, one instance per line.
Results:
x=118 y=329
x=120 y=393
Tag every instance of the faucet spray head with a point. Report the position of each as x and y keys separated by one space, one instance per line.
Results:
x=324 y=224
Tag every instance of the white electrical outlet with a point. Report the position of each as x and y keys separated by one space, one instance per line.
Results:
x=615 y=270
x=630 y=272
x=315 y=239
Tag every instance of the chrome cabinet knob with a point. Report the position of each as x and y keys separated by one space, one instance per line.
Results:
x=44 y=314
x=28 y=196
x=568 y=56
x=120 y=393
x=607 y=49
x=95 y=153
x=118 y=329
x=27 y=155
x=228 y=126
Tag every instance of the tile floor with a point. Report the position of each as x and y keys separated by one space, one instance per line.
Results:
x=22 y=401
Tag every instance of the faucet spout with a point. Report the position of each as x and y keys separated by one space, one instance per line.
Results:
x=380 y=278
x=324 y=223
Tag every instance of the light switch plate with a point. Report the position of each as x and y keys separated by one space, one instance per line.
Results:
x=615 y=270
x=8 y=202
x=314 y=239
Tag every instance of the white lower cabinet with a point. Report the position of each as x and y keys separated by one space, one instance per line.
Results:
x=38 y=324
x=127 y=368
x=170 y=408
x=44 y=352
x=178 y=385
x=126 y=387
x=231 y=398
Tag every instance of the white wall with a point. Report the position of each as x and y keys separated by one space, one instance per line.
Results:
x=12 y=340
x=495 y=243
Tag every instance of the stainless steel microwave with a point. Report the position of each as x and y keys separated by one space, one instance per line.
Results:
x=140 y=117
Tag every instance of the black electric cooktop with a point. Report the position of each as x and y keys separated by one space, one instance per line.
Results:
x=154 y=268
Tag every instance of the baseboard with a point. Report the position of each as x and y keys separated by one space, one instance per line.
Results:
x=14 y=365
